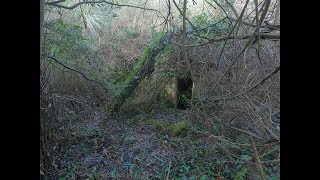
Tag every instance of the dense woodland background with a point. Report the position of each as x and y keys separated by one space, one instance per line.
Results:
x=166 y=89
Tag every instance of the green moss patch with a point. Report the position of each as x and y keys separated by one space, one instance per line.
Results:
x=176 y=129
x=180 y=127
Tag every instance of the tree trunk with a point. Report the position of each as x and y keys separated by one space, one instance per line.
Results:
x=146 y=69
x=184 y=51
x=42 y=2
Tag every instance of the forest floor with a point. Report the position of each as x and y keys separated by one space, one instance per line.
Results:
x=131 y=148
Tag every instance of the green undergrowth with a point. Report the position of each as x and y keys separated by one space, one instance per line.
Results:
x=196 y=156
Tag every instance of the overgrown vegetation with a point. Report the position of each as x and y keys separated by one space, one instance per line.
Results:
x=111 y=80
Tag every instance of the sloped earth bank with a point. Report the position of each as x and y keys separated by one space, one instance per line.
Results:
x=131 y=149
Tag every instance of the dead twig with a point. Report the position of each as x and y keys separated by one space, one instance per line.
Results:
x=277 y=69
x=246 y=132
x=258 y=162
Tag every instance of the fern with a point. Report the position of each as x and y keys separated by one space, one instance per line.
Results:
x=241 y=174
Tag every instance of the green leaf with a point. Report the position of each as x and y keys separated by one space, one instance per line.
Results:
x=94 y=169
x=113 y=172
x=91 y=177
x=241 y=174
x=204 y=177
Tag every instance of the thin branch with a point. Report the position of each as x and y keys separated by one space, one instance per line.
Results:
x=258 y=161
x=83 y=75
x=241 y=130
x=209 y=25
x=248 y=44
x=275 y=161
x=56 y=4
x=268 y=25
x=262 y=36
x=237 y=22
x=233 y=155
x=245 y=161
x=168 y=15
x=167 y=177
x=275 y=137
x=193 y=27
x=256 y=85
x=258 y=31
x=272 y=26
x=233 y=9
x=277 y=69
x=220 y=7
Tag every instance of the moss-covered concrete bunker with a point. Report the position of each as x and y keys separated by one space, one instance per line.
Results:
x=178 y=92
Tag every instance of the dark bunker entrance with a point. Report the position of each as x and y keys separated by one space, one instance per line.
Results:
x=184 y=92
